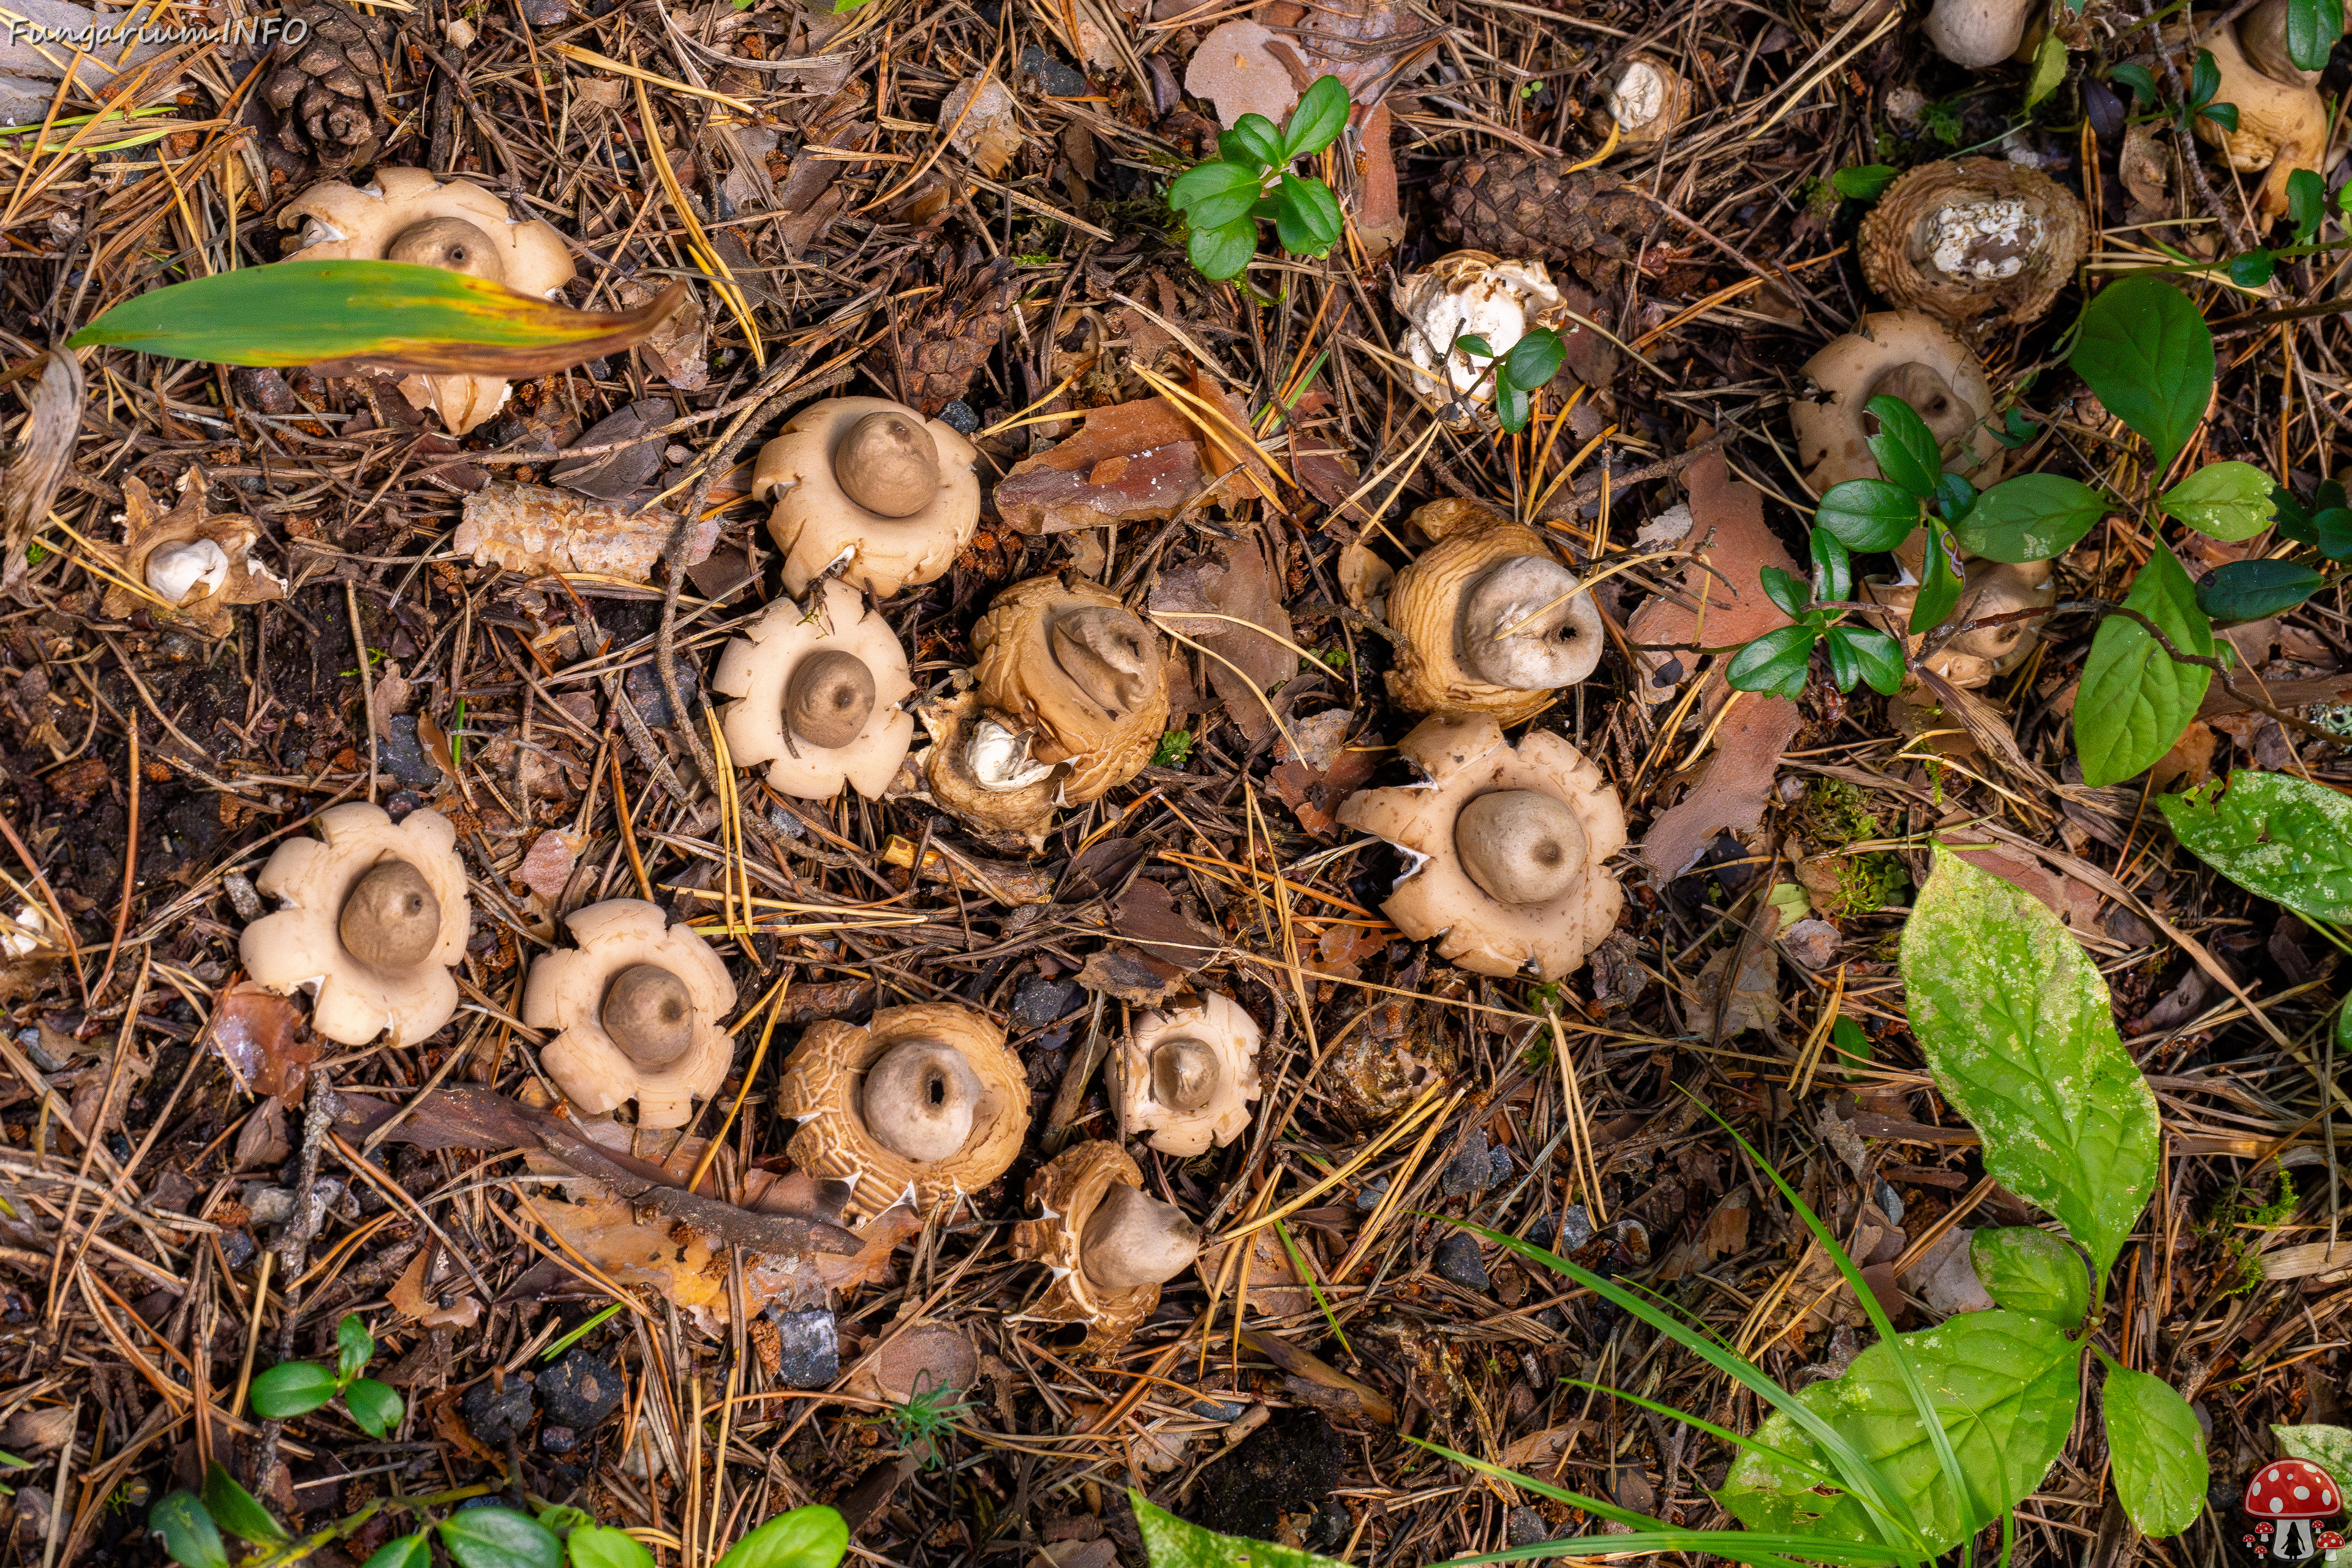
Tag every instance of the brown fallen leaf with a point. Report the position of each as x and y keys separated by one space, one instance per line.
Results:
x=410 y=1298
x=1131 y=462
x=1120 y=972
x=1147 y=915
x=1230 y=601
x=870 y=1264
x=2070 y=900
x=1275 y=1288
x=1730 y=792
x=1726 y=1002
x=546 y=870
x=679 y=1259
x=44 y=449
x=985 y=128
x=1727 y=532
x=262 y=1039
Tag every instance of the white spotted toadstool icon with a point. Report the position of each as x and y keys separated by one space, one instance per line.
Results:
x=374 y=915
x=1185 y=1075
x=2295 y=1495
x=871 y=488
x=818 y=695
x=407 y=214
x=1974 y=240
x=1075 y=675
x=637 y=1005
x=925 y=1103
x=1486 y=619
x=1508 y=847
x=1108 y=1244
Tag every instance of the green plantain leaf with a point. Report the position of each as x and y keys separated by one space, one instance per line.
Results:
x=2028 y=1270
x=2136 y=698
x=190 y=1537
x=2004 y=1385
x=810 y=1537
x=2329 y=1447
x=2033 y=517
x=396 y=314
x=1174 y=1543
x=2157 y=1448
x=2020 y=1033
x=2277 y=835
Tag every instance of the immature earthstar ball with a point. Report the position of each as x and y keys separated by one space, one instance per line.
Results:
x=1185 y=1075
x=374 y=915
x=1894 y=354
x=1063 y=666
x=1649 y=101
x=1108 y=1244
x=638 y=1007
x=407 y=214
x=1509 y=847
x=982 y=772
x=870 y=487
x=1471 y=294
x=1486 y=619
x=198 y=563
x=1976 y=239
x=818 y=694
x=924 y=1104
x=1980 y=32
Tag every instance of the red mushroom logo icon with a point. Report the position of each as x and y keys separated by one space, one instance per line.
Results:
x=2295 y=1496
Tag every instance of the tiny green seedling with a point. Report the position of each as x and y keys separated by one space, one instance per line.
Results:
x=1223 y=200
x=298 y=1387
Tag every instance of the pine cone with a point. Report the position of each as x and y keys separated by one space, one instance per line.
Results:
x=943 y=345
x=1528 y=208
x=329 y=89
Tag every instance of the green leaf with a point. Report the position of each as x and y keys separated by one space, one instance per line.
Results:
x=1954 y=496
x=1221 y=253
x=2224 y=115
x=238 y=1512
x=1832 y=566
x=2003 y=1385
x=373 y=1405
x=2278 y=836
x=355 y=1346
x=2251 y=269
x=1211 y=179
x=2028 y=1270
x=1869 y=654
x=1775 y=662
x=2049 y=68
x=1864 y=184
x=1471 y=343
x=2157 y=1448
x=598 y=1546
x=2139 y=80
x=2019 y=1033
x=291 y=1388
x=408 y=1550
x=1868 y=514
x=2033 y=517
x=1786 y=590
x=812 y=1537
x=393 y=313
x=2312 y=28
x=1939 y=585
x=2306 y=203
x=2251 y=590
x=2204 y=79
x=1315 y=124
x=499 y=1538
x=2148 y=355
x=1535 y=359
x=2229 y=500
x=1172 y=1543
x=1306 y=216
x=1908 y=452
x=2135 y=699
x=2329 y=1447
x=1254 y=139
x=1511 y=408
x=190 y=1537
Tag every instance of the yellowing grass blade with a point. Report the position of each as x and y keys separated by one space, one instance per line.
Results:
x=396 y=315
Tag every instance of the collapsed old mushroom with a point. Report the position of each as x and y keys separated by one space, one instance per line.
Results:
x=817 y=695
x=407 y=214
x=1185 y=1075
x=1471 y=295
x=1107 y=1245
x=1905 y=354
x=2282 y=121
x=636 y=1008
x=1487 y=620
x=195 y=563
x=926 y=1103
x=374 y=916
x=1974 y=240
x=869 y=489
x=1507 y=847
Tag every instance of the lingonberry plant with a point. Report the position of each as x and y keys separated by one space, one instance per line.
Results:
x=294 y=1388
x=1525 y=365
x=1224 y=199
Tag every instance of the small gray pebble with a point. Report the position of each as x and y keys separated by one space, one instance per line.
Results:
x=1575 y=1228
x=402 y=755
x=1223 y=1410
x=495 y=1414
x=1889 y=1201
x=241 y=896
x=1039 y=1002
x=1472 y=1170
x=808 y=1349
x=959 y=417
x=1368 y=1196
x=785 y=822
x=1525 y=1527
x=1458 y=1259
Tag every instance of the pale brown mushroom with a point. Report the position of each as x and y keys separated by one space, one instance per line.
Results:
x=869 y=486
x=818 y=693
x=638 y=1007
x=1974 y=240
x=1518 y=885
x=1979 y=657
x=407 y=214
x=1185 y=1075
x=1649 y=101
x=1473 y=294
x=198 y=562
x=1487 y=620
x=925 y=1104
x=1237 y=69
x=374 y=915
x=928 y=1357
x=2283 y=122
x=1109 y=1246
x=1901 y=354
x=1980 y=32
x=1068 y=666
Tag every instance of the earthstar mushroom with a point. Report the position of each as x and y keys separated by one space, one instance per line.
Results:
x=1108 y=1244
x=2283 y=122
x=982 y=772
x=1977 y=657
x=818 y=694
x=198 y=563
x=1186 y=1074
x=871 y=487
x=1980 y=32
x=1471 y=294
x=1064 y=664
x=636 y=1005
x=374 y=915
x=1901 y=354
x=1649 y=101
x=1974 y=240
x=1487 y=620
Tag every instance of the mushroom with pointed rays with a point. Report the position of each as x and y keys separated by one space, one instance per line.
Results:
x=1064 y=664
x=637 y=1007
x=1186 y=1075
x=926 y=1103
x=1108 y=1244
x=1901 y=354
x=1486 y=619
x=375 y=914
x=870 y=487
x=818 y=697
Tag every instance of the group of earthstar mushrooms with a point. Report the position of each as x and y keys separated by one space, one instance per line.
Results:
x=1507 y=842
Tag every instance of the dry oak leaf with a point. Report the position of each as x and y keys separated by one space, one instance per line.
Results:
x=985 y=129
x=211 y=556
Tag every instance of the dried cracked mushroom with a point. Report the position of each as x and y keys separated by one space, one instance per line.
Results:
x=1977 y=657
x=1974 y=240
x=1185 y=1075
x=197 y=564
x=1109 y=1245
x=1649 y=100
x=818 y=694
x=1508 y=847
x=636 y=1005
x=407 y=214
x=374 y=915
x=869 y=486
x=925 y=1103
x=1471 y=294
x=1486 y=619
x=1900 y=353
